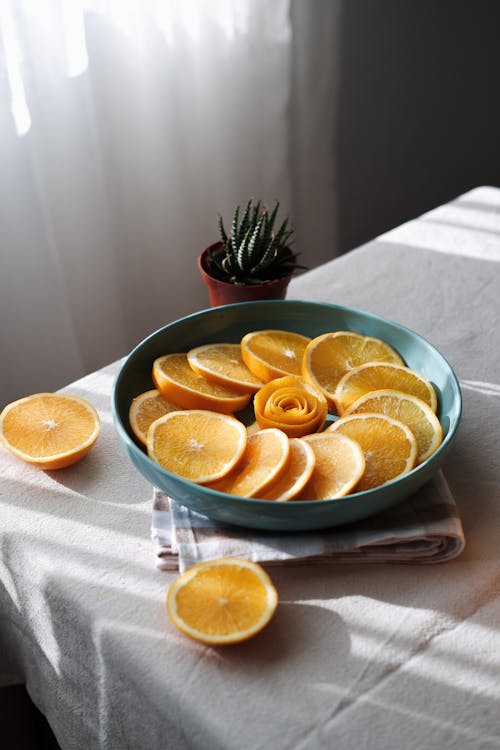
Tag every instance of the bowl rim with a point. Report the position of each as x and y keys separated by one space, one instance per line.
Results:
x=298 y=504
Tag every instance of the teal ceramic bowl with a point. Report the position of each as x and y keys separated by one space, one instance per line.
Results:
x=228 y=324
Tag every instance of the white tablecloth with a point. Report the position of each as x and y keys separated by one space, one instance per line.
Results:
x=373 y=656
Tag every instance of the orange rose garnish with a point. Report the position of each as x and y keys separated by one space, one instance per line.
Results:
x=292 y=405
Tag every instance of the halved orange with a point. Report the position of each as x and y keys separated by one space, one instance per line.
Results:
x=263 y=461
x=330 y=355
x=199 y=445
x=376 y=376
x=222 y=601
x=339 y=466
x=390 y=447
x=49 y=430
x=410 y=410
x=298 y=471
x=178 y=382
x=290 y=404
x=223 y=364
x=144 y=409
x=273 y=354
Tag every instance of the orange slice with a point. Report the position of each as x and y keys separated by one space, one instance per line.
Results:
x=265 y=458
x=144 y=409
x=298 y=471
x=178 y=382
x=412 y=411
x=339 y=466
x=49 y=430
x=377 y=376
x=273 y=354
x=223 y=364
x=201 y=446
x=330 y=355
x=390 y=447
x=290 y=404
x=222 y=601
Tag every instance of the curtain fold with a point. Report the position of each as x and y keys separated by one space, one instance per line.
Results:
x=125 y=129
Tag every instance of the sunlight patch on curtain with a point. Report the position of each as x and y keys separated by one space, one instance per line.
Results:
x=54 y=32
x=126 y=127
x=13 y=62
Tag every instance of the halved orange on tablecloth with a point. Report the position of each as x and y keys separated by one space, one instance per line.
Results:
x=49 y=430
x=222 y=601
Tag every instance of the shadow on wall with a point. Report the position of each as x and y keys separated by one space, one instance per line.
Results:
x=418 y=111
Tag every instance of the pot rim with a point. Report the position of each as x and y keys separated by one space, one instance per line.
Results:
x=205 y=273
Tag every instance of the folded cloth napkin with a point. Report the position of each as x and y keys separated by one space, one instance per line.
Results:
x=425 y=528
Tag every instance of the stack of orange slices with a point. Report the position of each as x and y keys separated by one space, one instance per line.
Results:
x=383 y=415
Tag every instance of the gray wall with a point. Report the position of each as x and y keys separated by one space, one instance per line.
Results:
x=418 y=109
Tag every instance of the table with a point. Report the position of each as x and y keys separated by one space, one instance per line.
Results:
x=373 y=656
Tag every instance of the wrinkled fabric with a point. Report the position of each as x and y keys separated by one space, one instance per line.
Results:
x=425 y=528
x=372 y=656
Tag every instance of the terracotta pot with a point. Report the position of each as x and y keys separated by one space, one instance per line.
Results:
x=223 y=293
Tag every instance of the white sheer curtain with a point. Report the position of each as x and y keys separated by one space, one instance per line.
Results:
x=126 y=126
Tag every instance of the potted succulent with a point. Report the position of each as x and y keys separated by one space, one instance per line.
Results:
x=253 y=261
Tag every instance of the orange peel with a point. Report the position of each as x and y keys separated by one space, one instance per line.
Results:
x=292 y=405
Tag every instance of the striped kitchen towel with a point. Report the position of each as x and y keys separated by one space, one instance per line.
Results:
x=424 y=528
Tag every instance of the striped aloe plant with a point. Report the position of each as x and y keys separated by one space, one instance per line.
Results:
x=253 y=252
